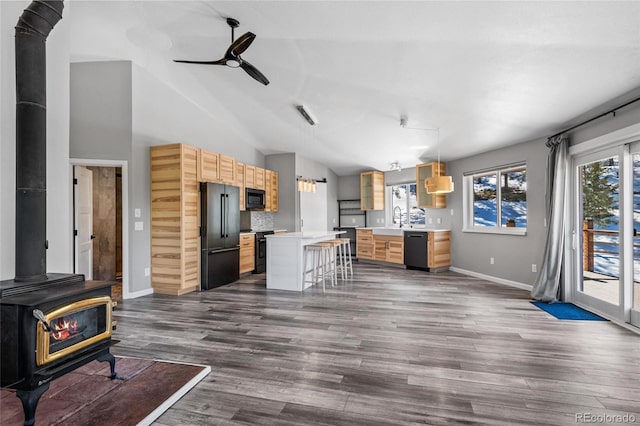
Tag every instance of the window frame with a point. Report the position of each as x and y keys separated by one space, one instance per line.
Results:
x=389 y=209
x=467 y=205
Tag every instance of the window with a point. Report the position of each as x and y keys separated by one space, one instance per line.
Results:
x=496 y=200
x=404 y=205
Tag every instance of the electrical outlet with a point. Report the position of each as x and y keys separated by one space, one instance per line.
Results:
x=451 y=212
x=353 y=220
x=147 y=272
x=438 y=220
x=430 y=220
x=534 y=267
x=491 y=261
x=139 y=226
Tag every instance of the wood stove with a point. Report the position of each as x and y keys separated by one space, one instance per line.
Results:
x=50 y=328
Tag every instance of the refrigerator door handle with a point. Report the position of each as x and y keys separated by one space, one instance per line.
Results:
x=226 y=214
x=222 y=229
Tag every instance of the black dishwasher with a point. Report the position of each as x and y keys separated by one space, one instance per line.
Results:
x=415 y=250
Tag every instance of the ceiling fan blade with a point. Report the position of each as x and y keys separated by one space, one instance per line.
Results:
x=240 y=45
x=218 y=62
x=253 y=72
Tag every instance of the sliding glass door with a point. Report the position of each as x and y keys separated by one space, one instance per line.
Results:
x=606 y=218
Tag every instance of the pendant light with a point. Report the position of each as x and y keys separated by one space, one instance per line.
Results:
x=438 y=184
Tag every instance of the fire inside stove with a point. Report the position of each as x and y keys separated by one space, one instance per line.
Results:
x=73 y=327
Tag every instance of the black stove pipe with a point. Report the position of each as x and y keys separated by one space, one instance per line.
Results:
x=33 y=27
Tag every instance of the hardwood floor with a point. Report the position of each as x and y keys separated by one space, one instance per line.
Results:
x=389 y=347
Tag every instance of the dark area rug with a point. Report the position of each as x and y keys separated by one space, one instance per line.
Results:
x=143 y=390
x=568 y=311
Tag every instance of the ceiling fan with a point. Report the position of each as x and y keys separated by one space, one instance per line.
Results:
x=232 y=56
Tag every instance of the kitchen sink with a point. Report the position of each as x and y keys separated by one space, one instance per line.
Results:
x=399 y=232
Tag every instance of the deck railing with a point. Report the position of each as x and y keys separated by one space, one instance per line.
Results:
x=590 y=241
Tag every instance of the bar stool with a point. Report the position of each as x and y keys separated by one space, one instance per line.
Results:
x=332 y=259
x=320 y=256
x=347 y=265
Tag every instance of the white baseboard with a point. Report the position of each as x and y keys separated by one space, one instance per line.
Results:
x=136 y=294
x=494 y=279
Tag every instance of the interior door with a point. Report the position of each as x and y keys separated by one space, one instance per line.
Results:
x=83 y=220
x=313 y=208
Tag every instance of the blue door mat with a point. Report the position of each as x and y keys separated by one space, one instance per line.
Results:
x=568 y=311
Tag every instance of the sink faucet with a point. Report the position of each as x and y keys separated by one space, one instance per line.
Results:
x=400 y=215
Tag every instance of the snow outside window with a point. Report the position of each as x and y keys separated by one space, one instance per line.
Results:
x=495 y=201
x=404 y=204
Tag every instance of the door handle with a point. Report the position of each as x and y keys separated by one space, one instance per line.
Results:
x=93 y=237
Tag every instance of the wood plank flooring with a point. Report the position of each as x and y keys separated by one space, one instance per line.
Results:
x=389 y=347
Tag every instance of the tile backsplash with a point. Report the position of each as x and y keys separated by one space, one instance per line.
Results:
x=257 y=221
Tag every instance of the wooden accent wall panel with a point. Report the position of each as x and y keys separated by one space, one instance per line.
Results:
x=439 y=249
x=175 y=207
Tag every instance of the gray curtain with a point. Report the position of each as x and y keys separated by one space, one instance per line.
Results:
x=547 y=286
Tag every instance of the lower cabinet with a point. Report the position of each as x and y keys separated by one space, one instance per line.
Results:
x=389 y=249
x=364 y=244
x=439 y=249
x=247 y=253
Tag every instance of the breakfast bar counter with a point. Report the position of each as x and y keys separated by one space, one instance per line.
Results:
x=284 y=258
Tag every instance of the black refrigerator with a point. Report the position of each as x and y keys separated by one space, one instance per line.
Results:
x=220 y=234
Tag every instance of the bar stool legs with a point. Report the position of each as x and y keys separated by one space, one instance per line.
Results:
x=347 y=265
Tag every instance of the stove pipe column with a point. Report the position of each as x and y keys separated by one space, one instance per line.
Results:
x=33 y=27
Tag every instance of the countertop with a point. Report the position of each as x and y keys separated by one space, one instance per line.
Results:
x=407 y=229
x=305 y=235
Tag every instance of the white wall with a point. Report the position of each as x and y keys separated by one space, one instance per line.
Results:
x=59 y=255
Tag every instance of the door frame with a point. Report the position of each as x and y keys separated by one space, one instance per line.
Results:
x=605 y=143
x=123 y=165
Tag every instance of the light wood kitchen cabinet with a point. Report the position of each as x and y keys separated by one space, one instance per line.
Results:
x=271 y=191
x=372 y=190
x=208 y=166
x=226 y=169
x=249 y=176
x=424 y=171
x=364 y=244
x=240 y=184
x=175 y=225
x=439 y=249
x=247 y=252
x=260 y=178
x=389 y=248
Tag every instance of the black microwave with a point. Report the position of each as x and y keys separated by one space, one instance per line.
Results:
x=254 y=199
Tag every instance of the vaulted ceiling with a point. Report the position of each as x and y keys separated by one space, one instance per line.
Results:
x=484 y=74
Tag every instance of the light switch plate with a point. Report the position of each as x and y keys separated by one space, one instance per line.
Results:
x=139 y=226
x=137 y=213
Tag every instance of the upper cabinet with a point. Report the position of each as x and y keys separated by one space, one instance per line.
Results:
x=240 y=184
x=271 y=191
x=227 y=169
x=372 y=190
x=214 y=167
x=249 y=176
x=260 y=178
x=424 y=171
x=207 y=166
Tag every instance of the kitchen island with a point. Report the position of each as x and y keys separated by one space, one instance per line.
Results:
x=285 y=252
